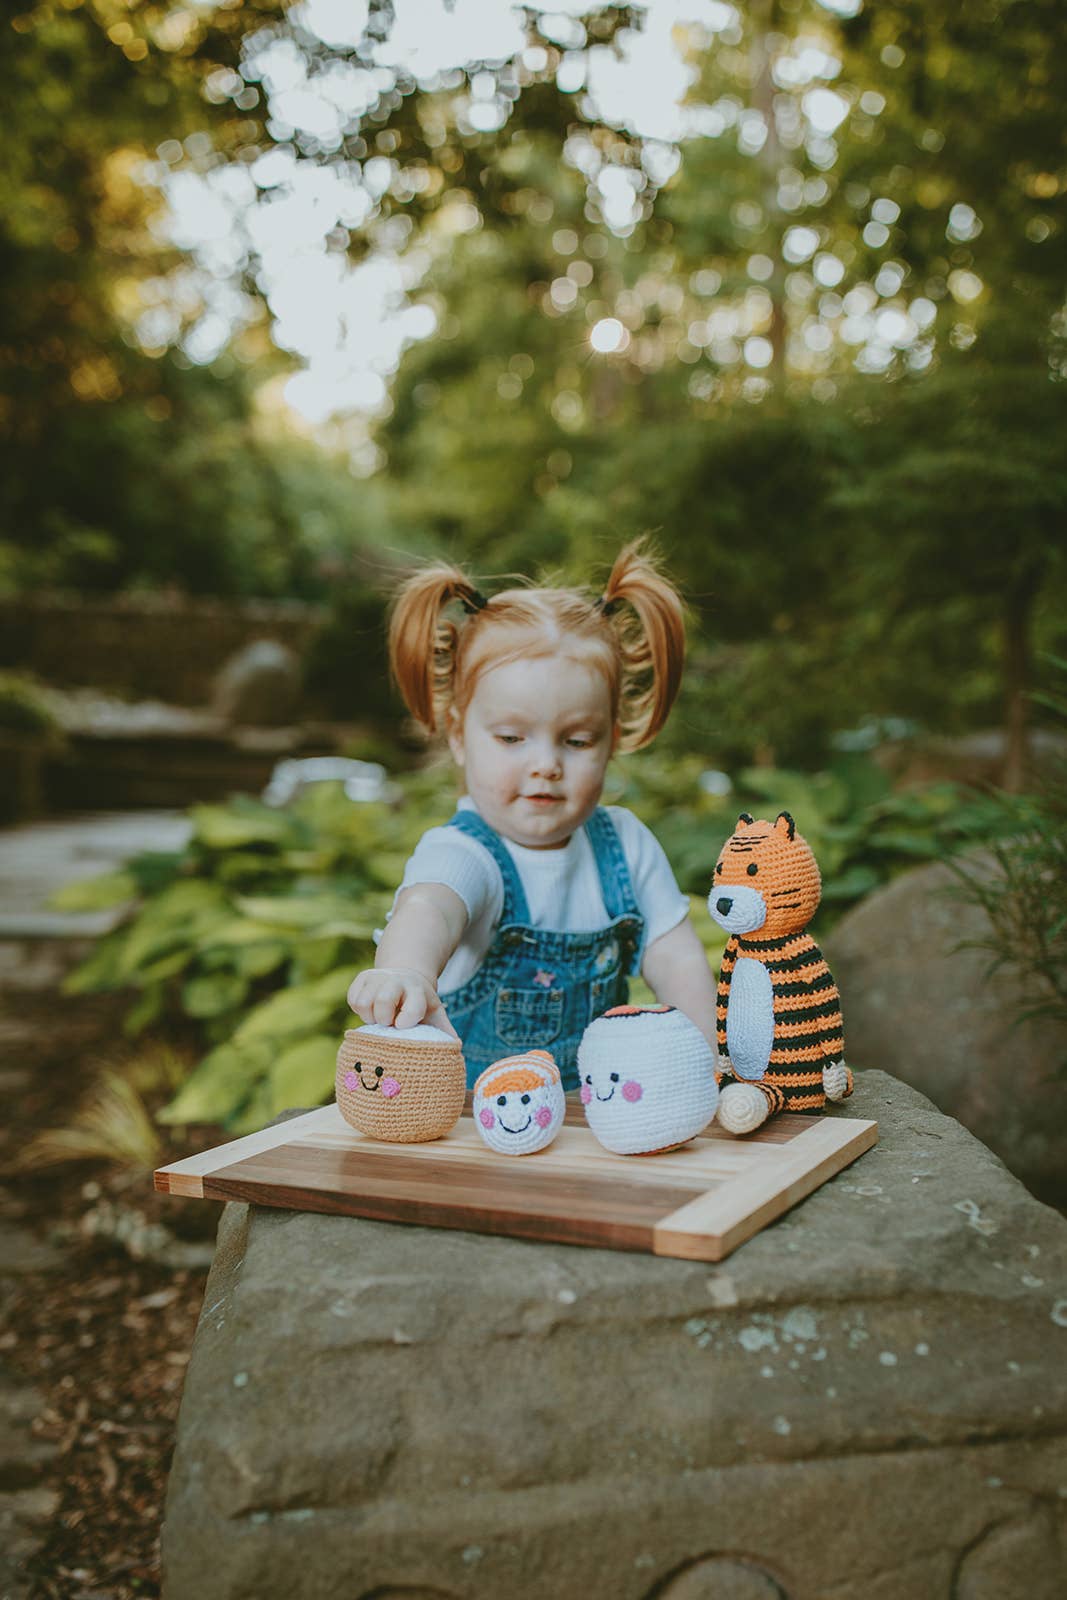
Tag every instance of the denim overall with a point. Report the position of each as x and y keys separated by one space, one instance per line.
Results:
x=539 y=989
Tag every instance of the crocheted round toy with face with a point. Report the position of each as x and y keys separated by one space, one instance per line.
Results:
x=519 y=1103
x=780 y=1033
x=647 y=1077
x=403 y=1085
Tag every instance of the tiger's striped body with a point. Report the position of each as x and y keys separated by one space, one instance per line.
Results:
x=779 y=1018
x=805 y=1025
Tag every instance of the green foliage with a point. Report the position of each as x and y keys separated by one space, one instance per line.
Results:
x=862 y=832
x=254 y=932
x=23 y=709
x=1019 y=879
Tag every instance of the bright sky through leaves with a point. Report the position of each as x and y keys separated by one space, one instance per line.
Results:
x=348 y=324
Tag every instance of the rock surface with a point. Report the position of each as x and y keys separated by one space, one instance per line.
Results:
x=260 y=685
x=862 y=1403
x=919 y=1004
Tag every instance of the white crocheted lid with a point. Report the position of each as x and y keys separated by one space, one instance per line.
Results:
x=421 y=1032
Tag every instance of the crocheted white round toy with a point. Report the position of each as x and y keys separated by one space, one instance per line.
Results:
x=647 y=1079
x=403 y=1085
x=519 y=1103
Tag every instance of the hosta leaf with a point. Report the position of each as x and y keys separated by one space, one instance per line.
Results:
x=96 y=894
x=220 y=1085
x=303 y=1075
x=213 y=994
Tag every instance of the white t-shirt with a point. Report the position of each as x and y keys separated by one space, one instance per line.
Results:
x=562 y=886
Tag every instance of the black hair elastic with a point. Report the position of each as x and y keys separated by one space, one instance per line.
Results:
x=473 y=602
x=605 y=606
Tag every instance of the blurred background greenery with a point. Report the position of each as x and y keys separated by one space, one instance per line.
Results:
x=786 y=291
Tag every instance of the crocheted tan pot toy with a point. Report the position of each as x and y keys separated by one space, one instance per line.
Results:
x=647 y=1079
x=780 y=1034
x=519 y=1103
x=403 y=1085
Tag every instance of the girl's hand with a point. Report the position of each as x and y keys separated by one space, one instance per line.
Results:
x=398 y=997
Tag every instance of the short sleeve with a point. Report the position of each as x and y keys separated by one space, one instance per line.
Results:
x=445 y=855
x=659 y=899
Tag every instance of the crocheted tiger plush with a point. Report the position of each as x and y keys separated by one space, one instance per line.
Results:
x=780 y=1033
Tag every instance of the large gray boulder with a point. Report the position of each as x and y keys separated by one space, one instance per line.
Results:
x=920 y=1002
x=865 y=1402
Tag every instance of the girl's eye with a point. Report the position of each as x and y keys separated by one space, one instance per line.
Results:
x=580 y=744
x=508 y=738
x=752 y=869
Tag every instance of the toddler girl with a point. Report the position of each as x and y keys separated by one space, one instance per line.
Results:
x=518 y=922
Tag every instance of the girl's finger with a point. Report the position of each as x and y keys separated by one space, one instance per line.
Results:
x=437 y=1016
x=412 y=1011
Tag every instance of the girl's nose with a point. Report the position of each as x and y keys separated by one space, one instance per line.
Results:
x=546 y=762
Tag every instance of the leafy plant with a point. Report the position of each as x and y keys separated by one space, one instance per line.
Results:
x=254 y=932
x=23 y=709
x=112 y=1124
x=1020 y=882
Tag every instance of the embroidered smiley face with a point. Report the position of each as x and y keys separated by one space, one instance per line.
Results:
x=647 y=1079
x=519 y=1103
x=380 y=1083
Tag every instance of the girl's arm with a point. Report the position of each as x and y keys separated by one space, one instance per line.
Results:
x=401 y=988
x=676 y=968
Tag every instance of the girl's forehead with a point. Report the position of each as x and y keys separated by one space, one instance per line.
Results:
x=543 y=685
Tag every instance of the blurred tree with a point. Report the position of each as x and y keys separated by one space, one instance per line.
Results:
x=120 y=460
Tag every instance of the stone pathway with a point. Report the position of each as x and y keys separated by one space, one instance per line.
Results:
x=38 y=946
x=38 y=858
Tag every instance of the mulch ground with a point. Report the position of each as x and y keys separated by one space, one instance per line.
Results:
x=103 y=1337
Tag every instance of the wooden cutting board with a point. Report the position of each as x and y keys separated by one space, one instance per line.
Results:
x=699 y=1202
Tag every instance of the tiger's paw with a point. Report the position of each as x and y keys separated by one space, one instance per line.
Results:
x=742 y=1108
x=836 y=1081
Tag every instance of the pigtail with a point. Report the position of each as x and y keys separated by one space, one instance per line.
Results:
x=422 y=643
x=651 y=641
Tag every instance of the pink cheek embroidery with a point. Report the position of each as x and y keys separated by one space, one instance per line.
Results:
x=543 y=1117
x=390 y=1088
x=486 y=1117
x=632 y=1091
x=351 y=1081
x=586 y=1094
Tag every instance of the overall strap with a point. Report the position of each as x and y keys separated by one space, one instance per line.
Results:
x=615 y=884
x=476 y=827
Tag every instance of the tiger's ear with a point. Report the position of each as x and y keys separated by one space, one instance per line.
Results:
x=744 y=821
x=785 y=824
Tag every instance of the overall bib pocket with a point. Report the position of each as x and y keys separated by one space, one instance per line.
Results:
x=529 y=1019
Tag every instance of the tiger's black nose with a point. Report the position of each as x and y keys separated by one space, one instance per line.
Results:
x=722 y=906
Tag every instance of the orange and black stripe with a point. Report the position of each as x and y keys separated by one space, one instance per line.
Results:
x=808 y=1027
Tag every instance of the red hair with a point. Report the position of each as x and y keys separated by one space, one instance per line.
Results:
x=634 y=633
